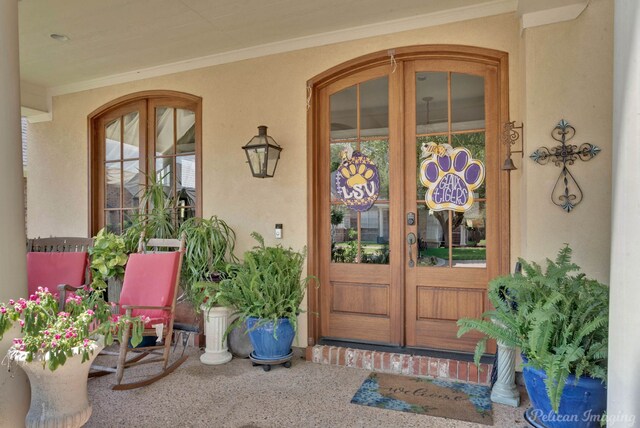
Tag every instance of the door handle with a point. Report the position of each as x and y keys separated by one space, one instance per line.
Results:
x=411 y=239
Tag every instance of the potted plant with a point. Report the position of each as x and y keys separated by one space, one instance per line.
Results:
x=266 y=290
x=210 y=245
x=216 y=322
x=559 y=320
x=108 y=259
x=56 y=348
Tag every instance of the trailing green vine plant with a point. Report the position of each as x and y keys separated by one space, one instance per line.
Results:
x=559 y=320
x=108 y=258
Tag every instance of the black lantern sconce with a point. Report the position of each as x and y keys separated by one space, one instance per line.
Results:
x=510 y=136
x=263 y=154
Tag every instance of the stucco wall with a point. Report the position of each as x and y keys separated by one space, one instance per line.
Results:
x=238 y=97
x=569 y=74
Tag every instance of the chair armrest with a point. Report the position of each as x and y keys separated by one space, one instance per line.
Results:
x=62 y=293
x=67 y=287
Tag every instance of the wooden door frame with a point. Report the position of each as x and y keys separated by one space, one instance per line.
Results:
x=498 y=59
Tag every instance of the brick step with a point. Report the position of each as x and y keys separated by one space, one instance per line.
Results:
x=405 y=364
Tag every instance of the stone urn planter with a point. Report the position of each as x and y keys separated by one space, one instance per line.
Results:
x=58 y=398
x=216 y=321
x=15 y=402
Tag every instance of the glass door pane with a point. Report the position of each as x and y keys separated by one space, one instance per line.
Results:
x=449 y=117
x=359 y=173
x=175 y=158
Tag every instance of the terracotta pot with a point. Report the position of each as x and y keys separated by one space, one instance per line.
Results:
x=58 y=398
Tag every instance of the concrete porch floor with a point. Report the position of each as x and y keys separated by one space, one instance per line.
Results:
x=239 y=395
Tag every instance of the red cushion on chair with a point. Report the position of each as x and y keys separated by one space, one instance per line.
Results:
x=149 y=280
x=52 y=269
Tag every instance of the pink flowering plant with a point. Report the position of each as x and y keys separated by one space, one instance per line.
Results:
x=52 y=334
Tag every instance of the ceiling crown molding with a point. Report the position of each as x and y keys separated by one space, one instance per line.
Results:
x=489 y=8
x=567 y=12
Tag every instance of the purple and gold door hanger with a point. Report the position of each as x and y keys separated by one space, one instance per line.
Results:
x=357 y=182
x=451 y=175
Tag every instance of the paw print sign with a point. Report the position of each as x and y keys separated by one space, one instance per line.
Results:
x=451 y=179
x=357 y=182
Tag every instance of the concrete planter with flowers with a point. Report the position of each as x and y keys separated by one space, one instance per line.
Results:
x=56 y=347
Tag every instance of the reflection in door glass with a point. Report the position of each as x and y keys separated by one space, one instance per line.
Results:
x=432 y=250
x=131 y=136
x=344 y=114
x=378 y=152
x=432 y=111
x=475 y=143
x=344 y=235
x=470 y=238
x=374 y=235
x=112 y=141
x=467 y=102
x=112 y=221
x=374 y=108
x=113 y=183
x=164 y=131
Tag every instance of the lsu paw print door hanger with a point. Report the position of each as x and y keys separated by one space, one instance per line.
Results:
x=357 y=181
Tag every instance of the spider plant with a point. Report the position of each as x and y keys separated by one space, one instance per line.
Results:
x=211 y=243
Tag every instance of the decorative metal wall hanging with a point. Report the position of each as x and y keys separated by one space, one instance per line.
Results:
x=562 y=156
x=511 y=134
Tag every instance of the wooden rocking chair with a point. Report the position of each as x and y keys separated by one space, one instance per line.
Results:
x=60 y=264
x=149 y=289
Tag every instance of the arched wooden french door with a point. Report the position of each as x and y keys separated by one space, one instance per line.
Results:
x=400 y=272
x=131 y=139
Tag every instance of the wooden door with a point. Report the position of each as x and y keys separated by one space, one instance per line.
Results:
x=377 y=285
x=455 y=253
x=361 y=279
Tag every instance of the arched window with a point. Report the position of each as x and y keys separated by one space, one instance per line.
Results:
x=153 y=135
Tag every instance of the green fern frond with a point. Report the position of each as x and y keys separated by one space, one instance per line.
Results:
x=557 y=316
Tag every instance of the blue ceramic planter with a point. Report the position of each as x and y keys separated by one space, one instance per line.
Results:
x=581 y=405
x=265 y=345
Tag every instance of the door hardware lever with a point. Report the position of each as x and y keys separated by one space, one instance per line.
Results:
x=411 y=239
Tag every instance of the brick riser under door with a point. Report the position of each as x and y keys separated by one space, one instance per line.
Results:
x=405 y=364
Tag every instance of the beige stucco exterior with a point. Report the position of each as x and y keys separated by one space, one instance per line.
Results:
x=555 y=71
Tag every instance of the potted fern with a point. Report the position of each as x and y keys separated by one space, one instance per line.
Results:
x=559 y=320
x=266 y=290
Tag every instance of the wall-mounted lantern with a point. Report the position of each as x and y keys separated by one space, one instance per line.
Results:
x=263 y=154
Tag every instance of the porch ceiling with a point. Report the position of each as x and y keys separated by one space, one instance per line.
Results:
x=119 y=37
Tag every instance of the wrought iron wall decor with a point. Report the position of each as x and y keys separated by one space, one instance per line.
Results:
x=563 y=155
x=511 y=134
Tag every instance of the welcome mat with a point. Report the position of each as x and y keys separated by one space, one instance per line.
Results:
x=433 y=397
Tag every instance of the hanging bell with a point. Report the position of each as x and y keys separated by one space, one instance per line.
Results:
x=508 y=165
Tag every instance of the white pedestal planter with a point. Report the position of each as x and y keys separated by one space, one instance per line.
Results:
x=216 y=321
x=58 y=398
x=504 y=390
